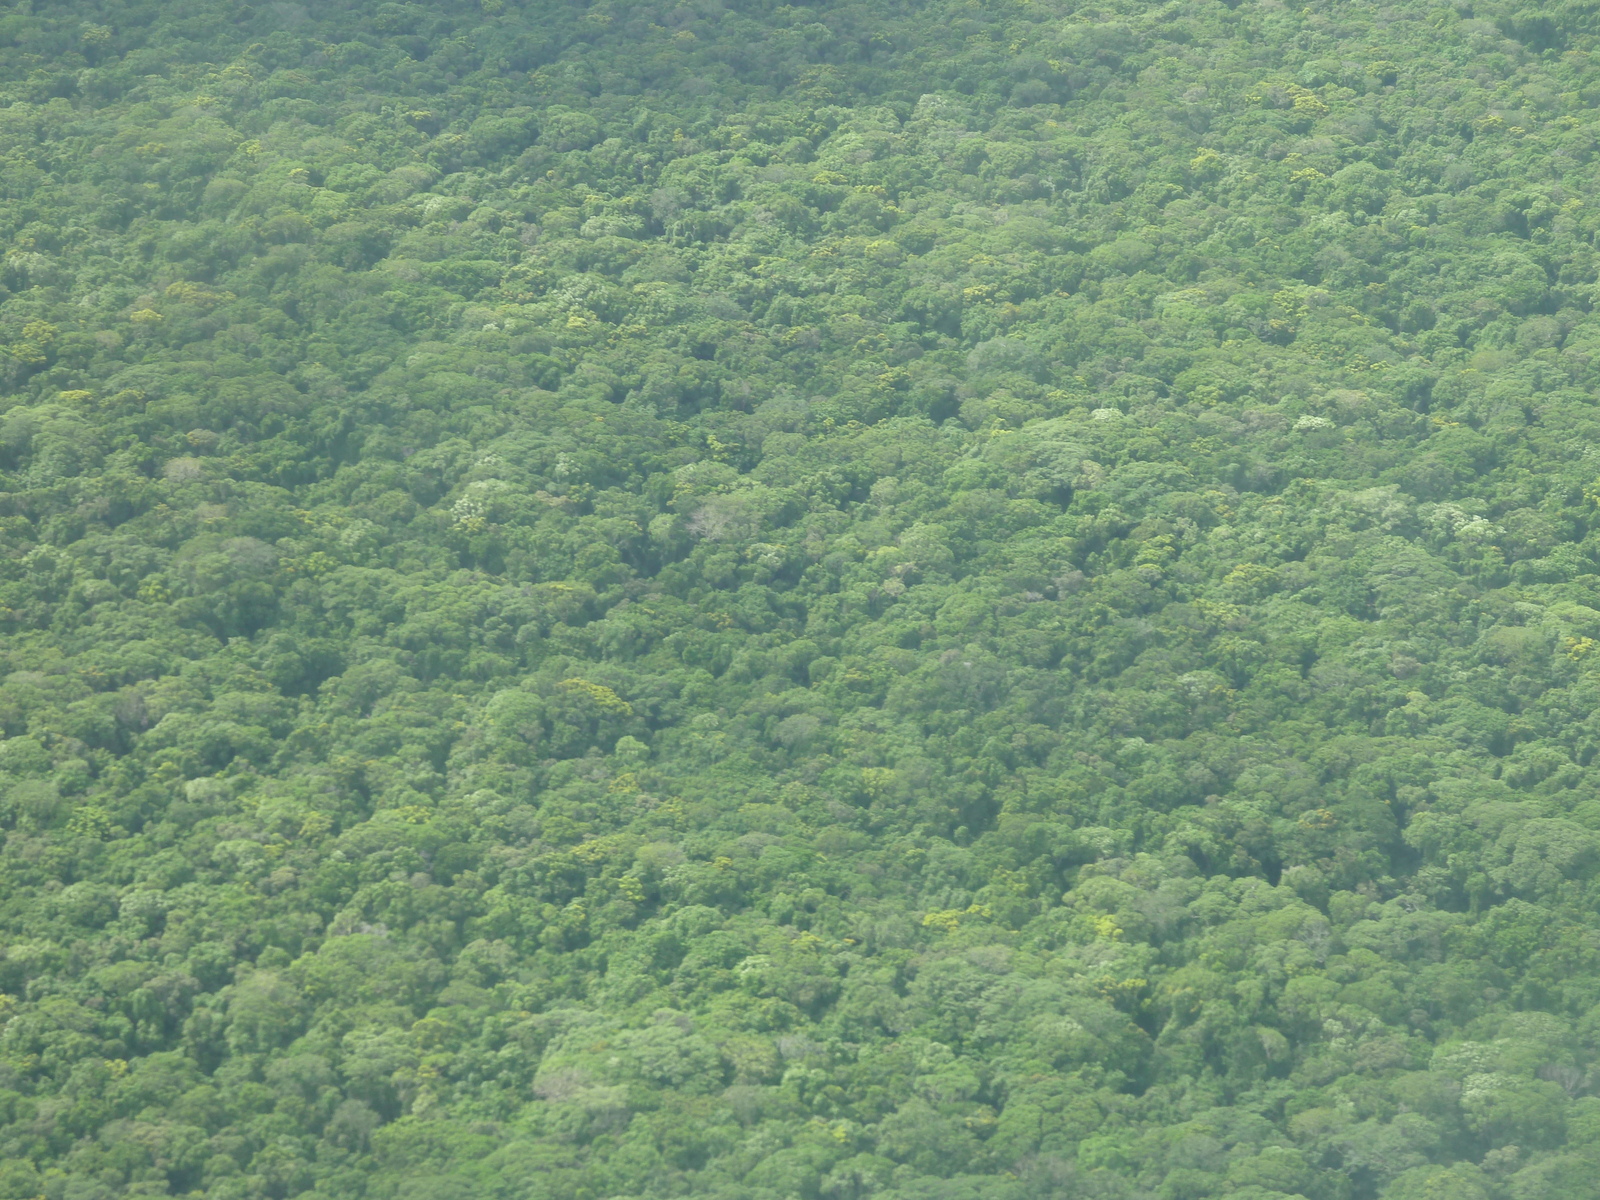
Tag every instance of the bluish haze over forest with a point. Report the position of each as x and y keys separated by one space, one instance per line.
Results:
x=745 y=601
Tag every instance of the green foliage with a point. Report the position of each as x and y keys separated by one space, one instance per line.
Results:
x=833 y=601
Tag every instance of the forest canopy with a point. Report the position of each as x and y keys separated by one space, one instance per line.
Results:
x=760 y=601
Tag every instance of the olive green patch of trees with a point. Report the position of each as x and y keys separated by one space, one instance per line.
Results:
x=834 y=601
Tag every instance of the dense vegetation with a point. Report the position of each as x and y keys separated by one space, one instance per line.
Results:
x=727 y=599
